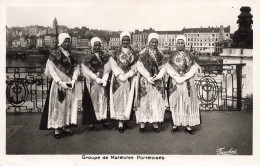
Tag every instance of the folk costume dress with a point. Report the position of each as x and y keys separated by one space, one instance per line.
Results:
x=95 y=96
x=150 y=102
x=183 y=100
x=122 y=93
x=63 y=104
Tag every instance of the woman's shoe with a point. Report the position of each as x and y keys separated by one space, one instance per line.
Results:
x=57 y=136
x=157 y=130
x=69 y=132
x=121 y=129
x=125 y=125
x=189 y=131
x=141 y=130
x=175 y=129
x=106 y=125
x=90 y=127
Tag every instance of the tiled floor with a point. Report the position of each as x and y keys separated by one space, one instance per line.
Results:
x=219 y=129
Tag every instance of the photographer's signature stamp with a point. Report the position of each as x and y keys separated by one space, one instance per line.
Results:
x=223 y=151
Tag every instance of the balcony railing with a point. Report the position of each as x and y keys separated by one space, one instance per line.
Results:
x=218 y=88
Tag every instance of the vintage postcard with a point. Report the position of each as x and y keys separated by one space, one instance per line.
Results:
x=129 y=82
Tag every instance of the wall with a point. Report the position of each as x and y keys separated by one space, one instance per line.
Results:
x=241 y=56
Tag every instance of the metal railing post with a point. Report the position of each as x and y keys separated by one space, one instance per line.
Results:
x=239 y=86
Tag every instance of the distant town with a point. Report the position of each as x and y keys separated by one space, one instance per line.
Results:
x=201 y=40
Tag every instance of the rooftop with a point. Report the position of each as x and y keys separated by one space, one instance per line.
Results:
x=205 y=30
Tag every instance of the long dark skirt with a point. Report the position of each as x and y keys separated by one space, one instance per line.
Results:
x=45 y=112
x=88 y=113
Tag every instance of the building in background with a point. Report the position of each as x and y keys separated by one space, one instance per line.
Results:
x=104 y=45
x=139 y=38
x=74 y=41
x=52 y=40
x=32 y=41
x=32 y=30
x=83 y=43
x=114 y=42
x=15 y=43
x=42 y=32
x=47 y=41
x=40 y=42
x=167 y=39
x=203 y=39
x=23 y=42
x=222 y=42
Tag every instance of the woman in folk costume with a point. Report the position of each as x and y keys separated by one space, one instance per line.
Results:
x=150 y=102
x=122 y=82
x=63 y=103
x=95 y=68
x=183 y=99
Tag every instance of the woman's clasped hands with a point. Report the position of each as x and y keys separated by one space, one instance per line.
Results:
x=124 y=77
x=178 y=79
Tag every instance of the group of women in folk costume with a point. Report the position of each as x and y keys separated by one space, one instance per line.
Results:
x=135 y=82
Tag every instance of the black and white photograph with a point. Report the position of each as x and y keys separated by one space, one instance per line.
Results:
x=114 y=82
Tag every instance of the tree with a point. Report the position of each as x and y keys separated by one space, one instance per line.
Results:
x=243 y=37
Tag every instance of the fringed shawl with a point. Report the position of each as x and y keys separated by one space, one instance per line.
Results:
x=65 y=64
x=95 y=64
x=181 y=61
x=125 y=61
x=151 y=62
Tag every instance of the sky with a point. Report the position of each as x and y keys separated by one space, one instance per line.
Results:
x=128 y=15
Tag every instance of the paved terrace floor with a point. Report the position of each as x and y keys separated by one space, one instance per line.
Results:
x=219 y=129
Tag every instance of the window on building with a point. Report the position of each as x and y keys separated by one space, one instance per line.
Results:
x=216 y=39
x=209 y=44
x=188 y=44
x=212 y=44
x=200 y=44
x=213 y=35
x=198 y=35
